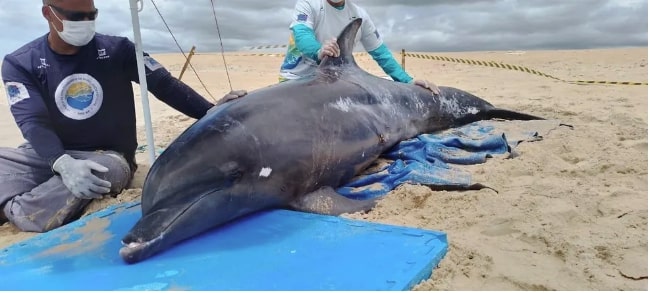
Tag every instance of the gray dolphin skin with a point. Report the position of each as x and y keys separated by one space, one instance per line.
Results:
x=289 y=145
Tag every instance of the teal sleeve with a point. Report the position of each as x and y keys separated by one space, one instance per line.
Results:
x=306 y=42
x=385 y=59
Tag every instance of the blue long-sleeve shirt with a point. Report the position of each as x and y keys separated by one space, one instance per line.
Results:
x=85 y=101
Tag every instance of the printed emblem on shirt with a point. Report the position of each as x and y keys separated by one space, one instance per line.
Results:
x=16 y=92
x=301 y=17
x=101 y=54
x=79 y=96
x=151 y=63
x=43 y=64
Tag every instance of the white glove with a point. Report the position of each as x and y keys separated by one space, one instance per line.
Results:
x=78 y=177
x=235 y=94
x=329 y=48
x=427 y=85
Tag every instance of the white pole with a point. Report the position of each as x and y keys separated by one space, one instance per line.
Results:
x=142 y=76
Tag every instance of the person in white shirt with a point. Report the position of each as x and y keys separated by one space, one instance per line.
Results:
x=314 y=27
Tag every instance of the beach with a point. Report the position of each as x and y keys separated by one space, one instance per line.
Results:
x=571 y=212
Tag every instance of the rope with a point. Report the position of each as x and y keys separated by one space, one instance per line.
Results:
x=181 y=49
x=518 y=68
x=214 y=12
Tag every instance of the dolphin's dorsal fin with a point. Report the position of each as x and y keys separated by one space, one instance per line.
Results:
x=346 y=45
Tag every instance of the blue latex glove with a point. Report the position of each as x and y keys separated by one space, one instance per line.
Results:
x=78 y=177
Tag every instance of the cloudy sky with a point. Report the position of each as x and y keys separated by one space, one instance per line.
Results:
x=415 y=25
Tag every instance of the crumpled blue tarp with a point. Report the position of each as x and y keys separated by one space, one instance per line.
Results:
x=433 y=159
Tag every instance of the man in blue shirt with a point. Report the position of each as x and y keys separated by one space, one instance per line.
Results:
x=70 y=93
x=314 y=27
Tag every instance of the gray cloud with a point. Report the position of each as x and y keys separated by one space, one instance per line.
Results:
x=415 y=25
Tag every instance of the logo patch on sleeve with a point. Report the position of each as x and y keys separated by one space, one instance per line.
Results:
x=301 y=17
x=151 y=63
x=16 y=92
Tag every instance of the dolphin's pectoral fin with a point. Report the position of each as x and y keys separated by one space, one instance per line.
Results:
x=327 y=201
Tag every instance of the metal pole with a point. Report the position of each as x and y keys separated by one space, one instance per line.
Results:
x=403 y=59
x=142 y=77
x=187 y=62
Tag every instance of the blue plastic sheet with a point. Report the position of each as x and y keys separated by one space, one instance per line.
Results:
x=434 y=159
x=272 y=250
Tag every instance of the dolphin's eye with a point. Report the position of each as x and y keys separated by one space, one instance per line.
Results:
x=231 y=170
x=235 y=175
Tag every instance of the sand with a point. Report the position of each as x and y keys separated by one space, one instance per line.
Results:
x=572 y=209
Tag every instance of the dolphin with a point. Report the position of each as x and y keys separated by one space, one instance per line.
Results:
x=289 y=145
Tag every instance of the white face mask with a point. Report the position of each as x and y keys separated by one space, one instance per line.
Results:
x=76 y=33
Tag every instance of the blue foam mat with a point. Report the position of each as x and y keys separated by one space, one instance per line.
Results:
x=272 y=250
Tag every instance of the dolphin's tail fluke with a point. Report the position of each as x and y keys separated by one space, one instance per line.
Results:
x=495 y=113
x=507 y=115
